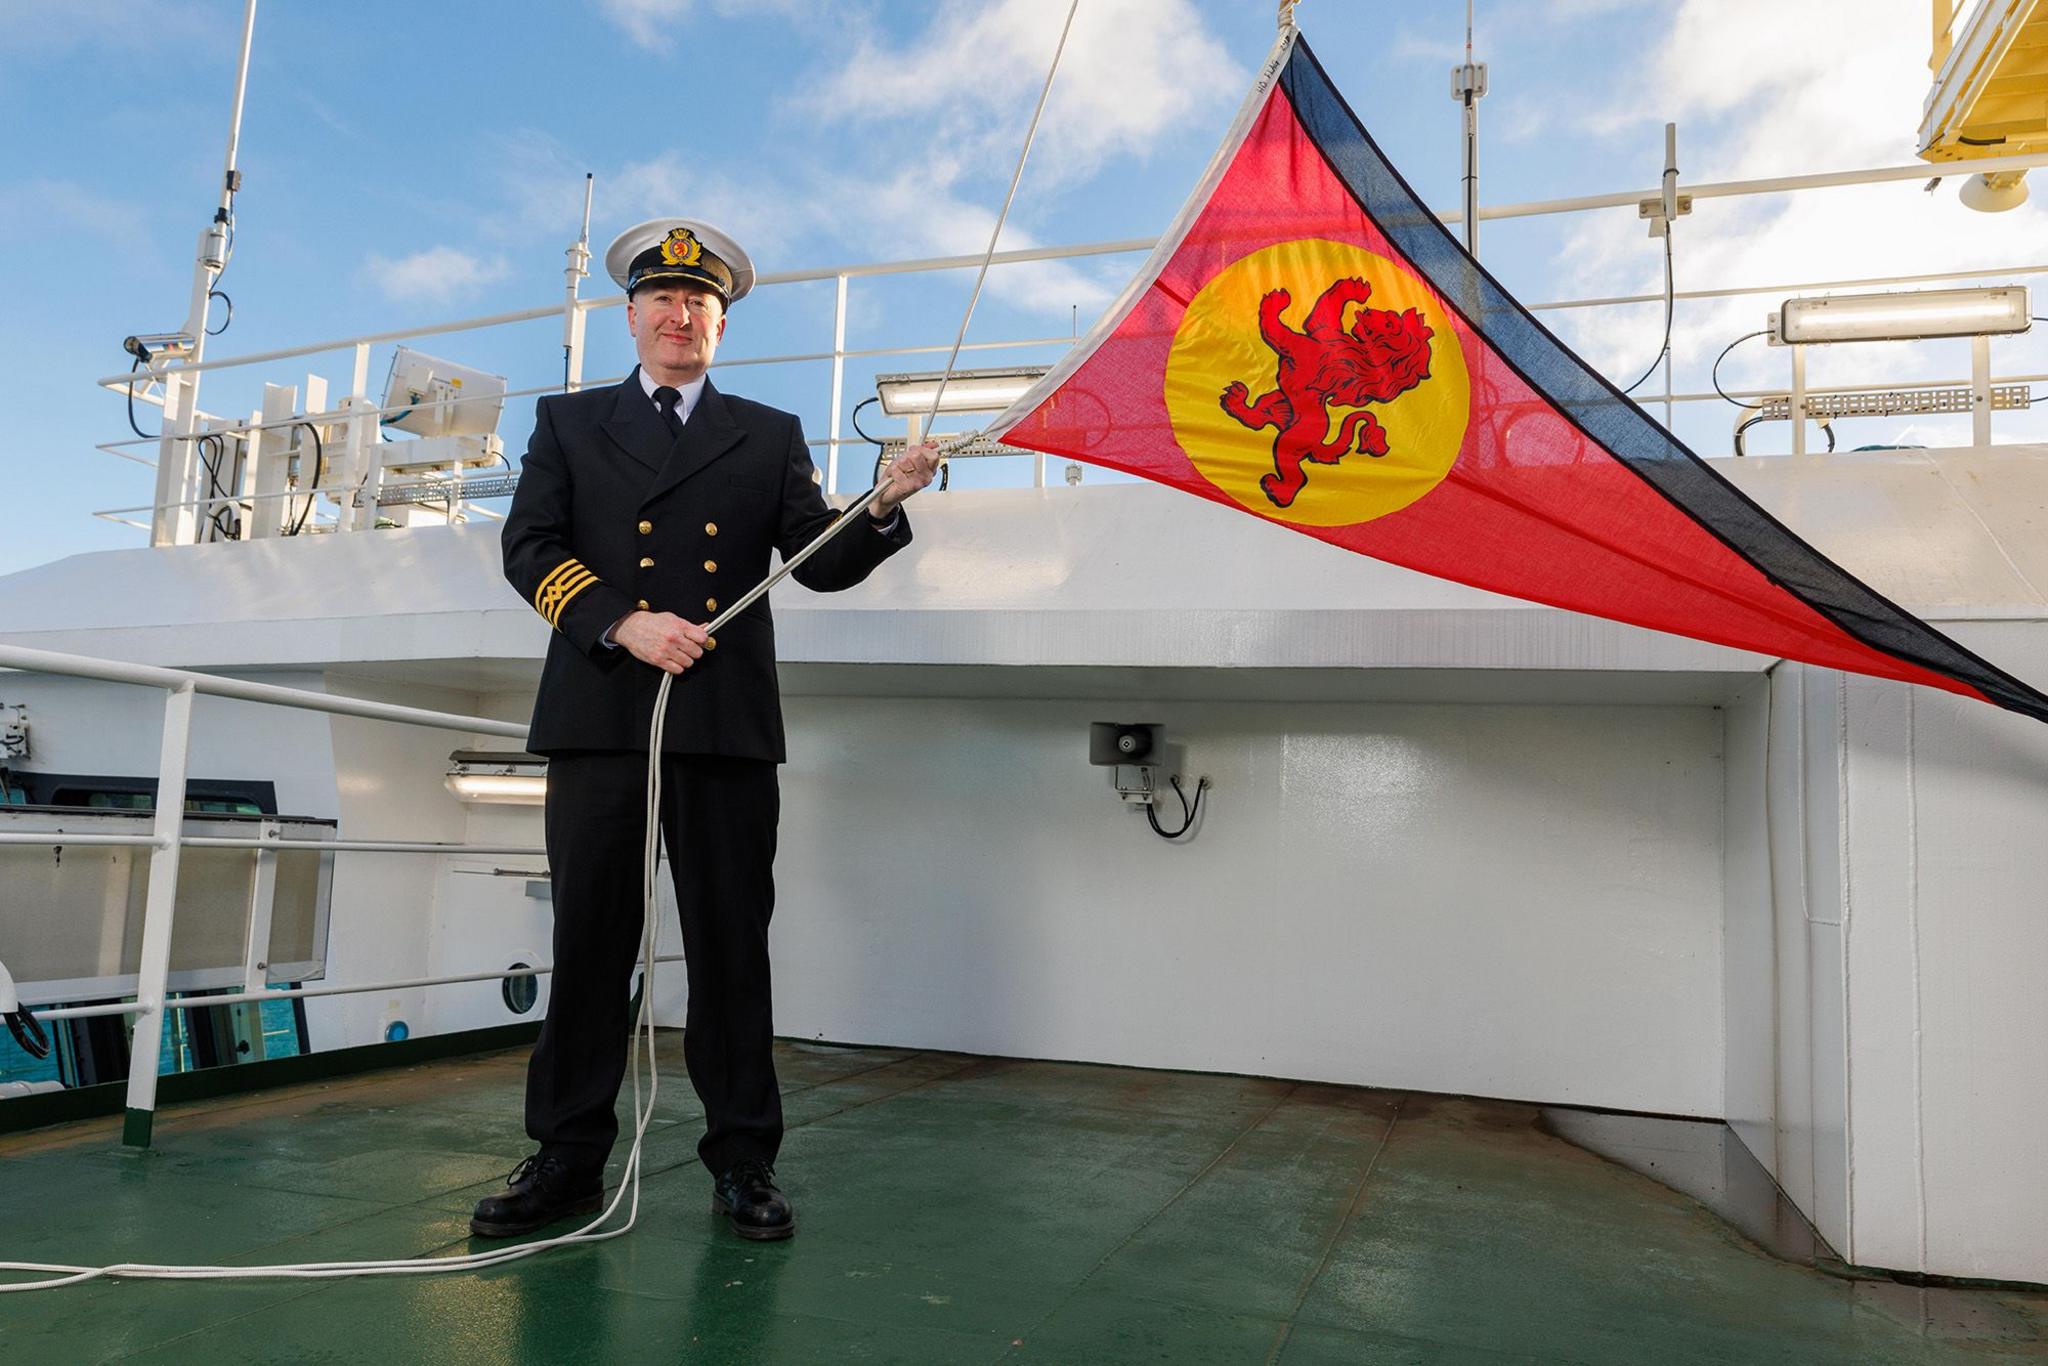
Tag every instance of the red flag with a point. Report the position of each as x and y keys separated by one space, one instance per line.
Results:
x=1309 y=344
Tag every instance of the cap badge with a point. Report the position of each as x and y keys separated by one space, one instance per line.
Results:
x=681 y=248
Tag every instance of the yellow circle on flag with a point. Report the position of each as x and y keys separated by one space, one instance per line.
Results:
x=1319 y=383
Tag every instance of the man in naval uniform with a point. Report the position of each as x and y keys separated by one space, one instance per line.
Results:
x=641 y=508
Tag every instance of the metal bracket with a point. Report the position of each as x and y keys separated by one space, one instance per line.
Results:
x=14 y=731
x=1653 y=209
x=1139 y=791
x=262 y=902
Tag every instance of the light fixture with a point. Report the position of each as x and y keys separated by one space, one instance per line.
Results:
x=428 y=396
x=1994 y=193
x=1906 y=316
x=507 y=777
x=967 y=391
x=153 y=348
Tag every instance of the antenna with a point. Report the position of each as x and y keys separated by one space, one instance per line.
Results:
x=572 y=311
x=1468 y=86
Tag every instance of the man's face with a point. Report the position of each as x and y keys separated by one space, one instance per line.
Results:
x=676 y=328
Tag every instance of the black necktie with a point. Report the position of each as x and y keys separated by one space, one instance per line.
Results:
x=665 y=399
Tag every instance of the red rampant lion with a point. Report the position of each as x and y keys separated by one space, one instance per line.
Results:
x=1382 y=354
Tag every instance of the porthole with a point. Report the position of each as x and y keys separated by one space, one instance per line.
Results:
x=521 y=992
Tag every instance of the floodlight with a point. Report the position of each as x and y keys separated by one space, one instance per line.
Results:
x=967 y=391
x=431 y=397
x=505 y=777
x=1906 y=316
x=151 y=347
x=1995 y=193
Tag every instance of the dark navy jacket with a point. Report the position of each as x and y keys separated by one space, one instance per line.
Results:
x=611 y=514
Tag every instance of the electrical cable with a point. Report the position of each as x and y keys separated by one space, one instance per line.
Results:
x=313 y=492
x=1670 y=300
x=1715 y=374
x=132 y=424
x=21 y=1021
x=29 y=1033
x=1742 y=431
x=882 y=449
x=876 y=442
x=945 y=471
x=215 y=490
x=1187 y=813
x=227 y=256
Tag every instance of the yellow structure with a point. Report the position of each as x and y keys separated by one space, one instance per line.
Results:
x=1990 y=92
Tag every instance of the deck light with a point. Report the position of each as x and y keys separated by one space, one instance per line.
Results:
x=506 y=777
x=967 y=391
x=156 y=348
x=1906 y=316
x=1994 y=193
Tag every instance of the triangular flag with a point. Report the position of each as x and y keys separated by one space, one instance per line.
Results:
x=1308 y=343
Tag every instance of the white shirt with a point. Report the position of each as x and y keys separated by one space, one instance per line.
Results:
x=689 y=393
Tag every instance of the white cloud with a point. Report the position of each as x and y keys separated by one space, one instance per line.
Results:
x=436 y=275
x=544 y=184
x=940 y=120
x=927 y=129
x=1412 y=47
x=1577 y=11
x=939 y=223
x=652 y=24
x=648 y=22
x=40 y=206
x=45 y=30
x=1838 y=86
x=1130 y=71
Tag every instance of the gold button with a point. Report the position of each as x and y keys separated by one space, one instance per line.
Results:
x=711 y=566
x=711 y=604
x=646 y=527
x=711 y=528
x=646 y=563
x=643 y=604
x=711 y=642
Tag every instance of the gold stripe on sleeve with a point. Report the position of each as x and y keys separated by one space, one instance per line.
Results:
x=561 y=571
x=552 y=599
x=569 y=595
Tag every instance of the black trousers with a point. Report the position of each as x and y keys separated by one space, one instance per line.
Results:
x=718 y=822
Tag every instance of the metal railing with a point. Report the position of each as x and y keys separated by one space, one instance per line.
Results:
x=181 y=506
x=166 y=841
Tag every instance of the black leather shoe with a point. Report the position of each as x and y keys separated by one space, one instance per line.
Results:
x=746 y=1196
x=540 y=1190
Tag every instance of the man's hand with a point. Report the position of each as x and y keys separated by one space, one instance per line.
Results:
x=660 y=638
x=911 y=471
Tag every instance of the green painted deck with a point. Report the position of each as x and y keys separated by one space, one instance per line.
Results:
x=952 y=1209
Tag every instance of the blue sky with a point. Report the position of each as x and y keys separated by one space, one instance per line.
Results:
x=411 y=163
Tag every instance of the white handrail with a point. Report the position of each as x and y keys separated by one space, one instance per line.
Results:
x=295 y=993
x=152 y=676
x=86 y=839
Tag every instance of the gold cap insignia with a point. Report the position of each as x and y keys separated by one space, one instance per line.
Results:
x=681 y=248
